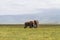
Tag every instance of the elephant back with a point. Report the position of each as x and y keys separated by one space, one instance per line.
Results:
x=27 y=23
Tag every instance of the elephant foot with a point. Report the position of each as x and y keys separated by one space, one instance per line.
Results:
x=25 y=27
x=35 y=27
x=30 y=27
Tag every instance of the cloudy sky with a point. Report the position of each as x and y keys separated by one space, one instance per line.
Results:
x=46 y=11
x=18 y=7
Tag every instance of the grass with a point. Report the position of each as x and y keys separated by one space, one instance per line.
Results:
x=40 y=33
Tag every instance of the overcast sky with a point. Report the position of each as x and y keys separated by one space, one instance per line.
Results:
x=18 y=7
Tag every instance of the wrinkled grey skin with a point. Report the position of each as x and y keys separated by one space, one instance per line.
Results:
x=31 y=24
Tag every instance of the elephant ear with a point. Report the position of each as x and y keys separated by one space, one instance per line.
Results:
x=36 y=22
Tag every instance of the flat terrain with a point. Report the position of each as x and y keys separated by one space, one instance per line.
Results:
x=43 y=32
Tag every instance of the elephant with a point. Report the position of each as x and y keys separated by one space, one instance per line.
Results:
x=31 y=24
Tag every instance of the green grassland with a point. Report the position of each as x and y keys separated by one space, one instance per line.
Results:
x=17 y=32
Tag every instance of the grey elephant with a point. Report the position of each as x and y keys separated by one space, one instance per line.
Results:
x=31 y=24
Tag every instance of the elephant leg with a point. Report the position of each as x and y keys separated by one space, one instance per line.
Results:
x=30 y=26
x=25 y=26
x=35 y=26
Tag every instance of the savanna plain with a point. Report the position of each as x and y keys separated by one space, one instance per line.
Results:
x=17 y=32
